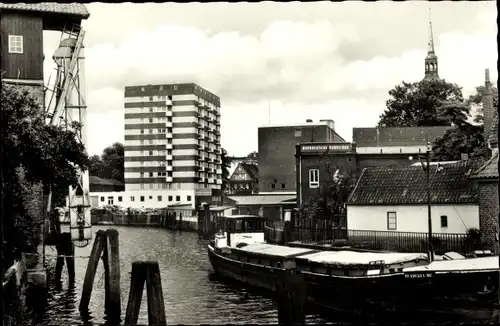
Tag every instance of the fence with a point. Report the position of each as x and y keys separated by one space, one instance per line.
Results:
x=324 y=233
x=184 y=219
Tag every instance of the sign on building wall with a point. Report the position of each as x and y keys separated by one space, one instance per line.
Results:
x=343 y=147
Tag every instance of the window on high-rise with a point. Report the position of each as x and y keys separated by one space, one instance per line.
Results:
x=150 y=174
x=142 y=131
x=150 y=131
x=150 y=152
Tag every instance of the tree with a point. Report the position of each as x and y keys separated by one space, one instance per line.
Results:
x=226 y=165
x=110 y=165
x=417 y=104
x=32 y=153
x=464 y=138
x=475 y=100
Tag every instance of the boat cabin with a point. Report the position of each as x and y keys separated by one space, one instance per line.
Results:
x=352 y=263
x=240 y=230
x=269 y=255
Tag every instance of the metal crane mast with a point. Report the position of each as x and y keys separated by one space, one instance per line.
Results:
x=67 y=108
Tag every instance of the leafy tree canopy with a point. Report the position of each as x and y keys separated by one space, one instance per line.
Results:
x=417 y=104
x=32 y=153
x=226 y=165
x=438 y=103
x=110 y=165
x=476 y=100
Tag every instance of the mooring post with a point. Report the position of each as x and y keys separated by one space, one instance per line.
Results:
x=65 y=249
x=146 y=272
x=88 y=282
x=156 y=308
x=113 y=295
x=291 y=298
x=137 y=280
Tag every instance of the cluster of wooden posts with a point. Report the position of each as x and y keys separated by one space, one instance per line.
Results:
x=290 y=287
x=143 y=273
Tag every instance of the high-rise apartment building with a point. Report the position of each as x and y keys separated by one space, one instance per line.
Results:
x=172 y=144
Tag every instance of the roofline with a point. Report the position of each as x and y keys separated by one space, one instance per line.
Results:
x=298 y=125
x=476 y=202
x=356 y=186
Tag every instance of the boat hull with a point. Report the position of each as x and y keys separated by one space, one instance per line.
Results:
x=427 y=297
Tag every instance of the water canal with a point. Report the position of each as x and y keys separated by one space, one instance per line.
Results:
x=192 y=294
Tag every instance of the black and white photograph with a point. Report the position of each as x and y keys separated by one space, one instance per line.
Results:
x=233 y=163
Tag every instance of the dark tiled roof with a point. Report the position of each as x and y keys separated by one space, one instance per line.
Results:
x=252 y=170
x=489 y=170
x=77 y=9
x=408 y=185
x=104 y=182
x=396 y=136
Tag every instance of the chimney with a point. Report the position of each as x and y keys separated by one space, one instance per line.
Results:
x=488 y=110
x=329 y=122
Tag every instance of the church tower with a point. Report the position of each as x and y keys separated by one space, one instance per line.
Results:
x=431 y=61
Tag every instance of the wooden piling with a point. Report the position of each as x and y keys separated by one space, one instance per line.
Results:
x=291 y=298
x=156 y=308
x=113 y=295
x=66 y=248
x=88 y=283
x=149 y=273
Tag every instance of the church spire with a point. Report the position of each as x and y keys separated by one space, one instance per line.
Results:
x=431 y=61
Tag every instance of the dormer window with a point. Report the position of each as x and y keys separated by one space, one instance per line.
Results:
x=16 y=44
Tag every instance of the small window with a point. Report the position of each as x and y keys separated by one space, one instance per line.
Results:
x=170 y=198
x=150 y=174
x=161 y=87
x=15 y=44
x=150 y=152
x=188 y=198
x=150 y=131
x=132 y=198
x=150 y=120
x=392 y=221
x=159 y=198
x=120 y=199
x=283 y=186
x=102 y=198
x=298 y=133
x=142 y=131
x=141 y=174
x=313 y=178
x=142 y=198
x=444 y=221
x=151 y=109
x=142 y=89
x=150 y=197
x=273 y=186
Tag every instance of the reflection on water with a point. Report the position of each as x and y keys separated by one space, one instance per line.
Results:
x=192 y=295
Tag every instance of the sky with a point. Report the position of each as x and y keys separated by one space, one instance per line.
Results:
x=277 y=62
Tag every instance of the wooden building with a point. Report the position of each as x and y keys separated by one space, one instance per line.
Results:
x=21 y=32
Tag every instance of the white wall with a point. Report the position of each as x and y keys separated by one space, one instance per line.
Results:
x=390 y=149
x=147 y=203
x=413 y=218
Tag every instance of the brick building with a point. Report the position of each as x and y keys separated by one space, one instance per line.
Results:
x=277 y=151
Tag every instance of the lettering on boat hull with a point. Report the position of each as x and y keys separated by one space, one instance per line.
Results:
x=420 y=275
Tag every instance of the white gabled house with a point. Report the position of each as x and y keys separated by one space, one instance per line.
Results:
x=395 y=199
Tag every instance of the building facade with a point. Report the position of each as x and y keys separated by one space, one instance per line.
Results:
x=245 y=179
x=21 y=32
x=172 y=143
x=394 y=199
x=277 y=152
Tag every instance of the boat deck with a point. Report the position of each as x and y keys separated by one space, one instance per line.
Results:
x=470 y=264
x=360 y=258
x=275 y=250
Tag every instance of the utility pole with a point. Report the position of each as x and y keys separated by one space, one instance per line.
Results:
x=429 y=215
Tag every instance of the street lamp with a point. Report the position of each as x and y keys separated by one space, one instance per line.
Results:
x=427 y=169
